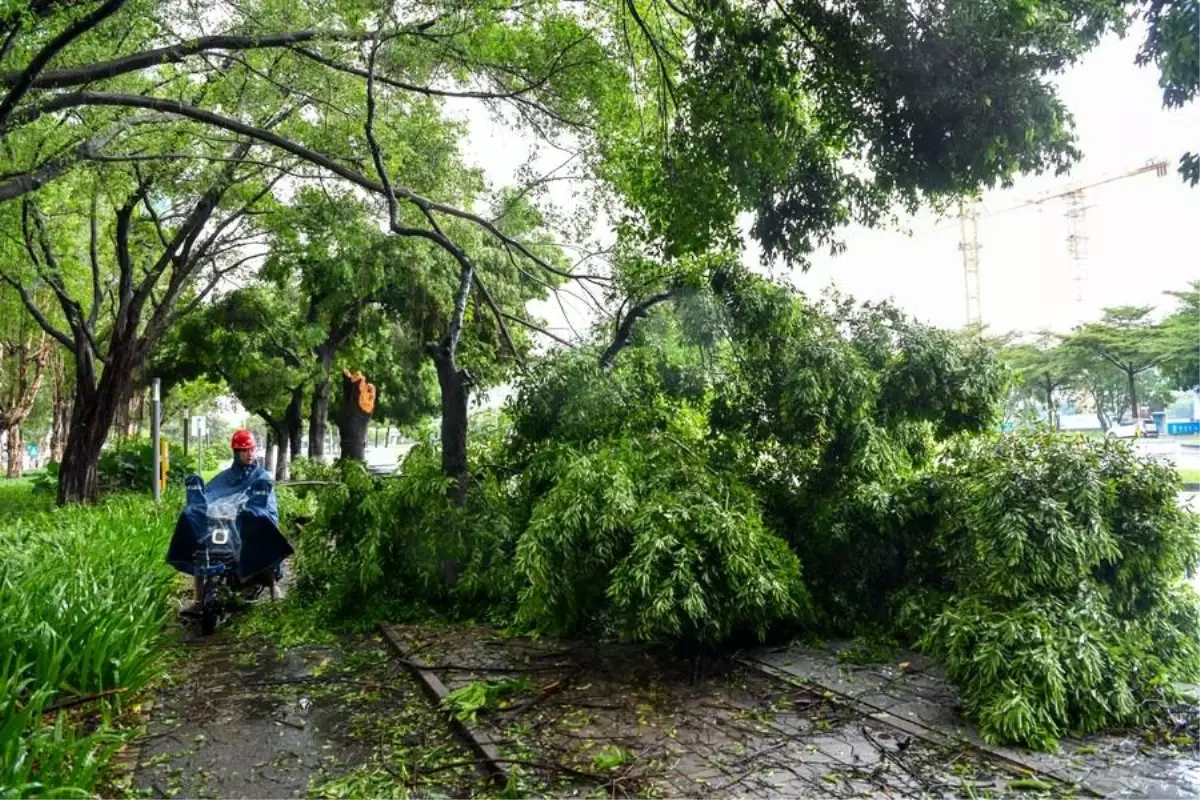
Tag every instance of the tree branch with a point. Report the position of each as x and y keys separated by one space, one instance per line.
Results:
x=527 y=324
x=36 y=178
x=625 y=329
x=500 y=317
x=71 y=100
x=517 y=94
x=37 y=314
x=173 y=54
x=94 y=257
x=24 y=80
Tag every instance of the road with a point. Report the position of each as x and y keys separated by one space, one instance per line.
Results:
x=1170 y=450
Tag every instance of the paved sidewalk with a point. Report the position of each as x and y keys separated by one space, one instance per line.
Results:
x=921 y=701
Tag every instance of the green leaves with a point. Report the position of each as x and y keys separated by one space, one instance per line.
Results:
x=465 y=703
x=1070 y=608
x=1172 y=45
x=84 y=595
x=646 y=540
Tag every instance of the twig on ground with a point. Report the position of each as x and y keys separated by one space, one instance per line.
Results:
x=926 y=788
x=481 y=668
x=563 y=768
x=546 y=691
x=81 y=700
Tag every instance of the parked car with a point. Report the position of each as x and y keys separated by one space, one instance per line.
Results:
x=1133 y=429
x=381 y=461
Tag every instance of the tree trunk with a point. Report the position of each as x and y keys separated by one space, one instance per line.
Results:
x=1133 y=398
x=1051 y=411
x=354 y=416
x=455 y=388
x=294 y=419
x=283 y=465
x=269 y=450
x=318 y=420
x=92 y=416
x=78 y=476
x=137 y=409
x=15 y=451
x=60 y=425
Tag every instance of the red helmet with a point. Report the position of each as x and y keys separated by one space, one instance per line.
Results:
x=242 y=440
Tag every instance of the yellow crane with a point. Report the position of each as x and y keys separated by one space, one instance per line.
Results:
x=969 y=216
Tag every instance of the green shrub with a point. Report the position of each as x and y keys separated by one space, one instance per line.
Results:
x=642 y=540
x=129 y=467
x=1070 y=610
x=303 y=469
x=46 y=481
x=84 y=594
x=397 y=546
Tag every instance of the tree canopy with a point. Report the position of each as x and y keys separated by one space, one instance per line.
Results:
x=1127 y=338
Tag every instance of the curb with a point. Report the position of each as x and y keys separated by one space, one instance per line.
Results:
x=489 y=758
x=1191 y=487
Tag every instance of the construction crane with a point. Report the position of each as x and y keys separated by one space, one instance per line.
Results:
x=969 y=216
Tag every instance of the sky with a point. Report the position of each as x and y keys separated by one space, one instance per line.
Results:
x=1139 y=231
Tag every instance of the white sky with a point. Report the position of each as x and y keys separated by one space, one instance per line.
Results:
x=1140 y=231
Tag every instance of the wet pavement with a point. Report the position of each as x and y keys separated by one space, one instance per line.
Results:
x=577 y=719
x=917 y=699
x=243 y=720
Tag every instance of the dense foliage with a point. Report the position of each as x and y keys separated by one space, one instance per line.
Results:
x=129 y=466
x=1068 y=610
x=84 y=594
x=755 y=463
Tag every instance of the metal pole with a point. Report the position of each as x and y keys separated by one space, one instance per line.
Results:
x=155 y=415
x=187 y=423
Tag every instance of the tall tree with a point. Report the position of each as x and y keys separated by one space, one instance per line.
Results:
x=1181 y=338
x=62 y=403
x=329 y=253
x=1125 y=337
x=160 y=246
x=248 y=339
x=1041 y=369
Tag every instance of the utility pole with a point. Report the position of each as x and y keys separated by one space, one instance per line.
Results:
x=155 y=416
x=968 y=221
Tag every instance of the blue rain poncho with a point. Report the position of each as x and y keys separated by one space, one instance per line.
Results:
x=236 y=515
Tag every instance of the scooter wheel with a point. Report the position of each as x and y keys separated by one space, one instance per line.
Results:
x=210 y=610
x=208 y=620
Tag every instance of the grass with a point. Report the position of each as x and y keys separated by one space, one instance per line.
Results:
x=84 y=594
x=1189 y=475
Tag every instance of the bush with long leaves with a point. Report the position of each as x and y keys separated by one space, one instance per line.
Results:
x=675 y=496
x=639 y=539
x=84 y=593
x=394 y=547
x=1070 y=609
x=129 y=466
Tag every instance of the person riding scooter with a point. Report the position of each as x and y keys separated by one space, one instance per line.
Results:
x=237 y=479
